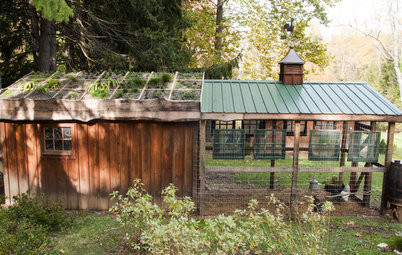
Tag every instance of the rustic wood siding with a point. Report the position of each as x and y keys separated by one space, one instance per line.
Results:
x=106 y=156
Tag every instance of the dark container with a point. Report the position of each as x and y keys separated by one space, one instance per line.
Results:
x=395 y=183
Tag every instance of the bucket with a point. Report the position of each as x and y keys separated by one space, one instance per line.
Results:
x=395 y=183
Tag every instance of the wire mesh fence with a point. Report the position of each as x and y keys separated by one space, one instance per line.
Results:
x=341 y=162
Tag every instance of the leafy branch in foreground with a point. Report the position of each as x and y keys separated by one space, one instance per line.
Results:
x=170 y=228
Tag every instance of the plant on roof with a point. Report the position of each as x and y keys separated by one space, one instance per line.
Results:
x=120 y=94
x=157 y=94
x=43 y=89
x=165 y=77
x=39 y=75
x=100 y=93
x=135 y=90
x=28 y=86
x=72 y=78
x=73 y=95
x=135 y=82
x=53 y=84
x=154 y=80
x=190 y=95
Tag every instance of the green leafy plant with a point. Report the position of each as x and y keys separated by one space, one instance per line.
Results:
x=190 y=95
x=72 y=78
x=53 y=84
x=73 y=95
x=100 y=93
x=154 y=80
x=135 y=90
x=170 y=229
x=165 y=77
x=28 y=86
x=62 y=68
x=43 y=89
x=120 y=94
x=135 y=82
x=157 y=94
x=125 y=90
x=26 y=225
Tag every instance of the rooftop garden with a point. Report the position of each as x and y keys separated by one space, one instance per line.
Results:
x=106 y=85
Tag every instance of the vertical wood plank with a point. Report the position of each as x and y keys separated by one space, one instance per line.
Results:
x=188 y=159
x=167 y=155
x=113 y=136
x=104 y=175
x=83 y=165
x=31 y=159
x=93 y=165
x=295 y=166
x=73 y=183
x=23 y=177
x=39 y=163
x=343 y=148
x=12 y=159
x=124 y=150
x=195 y=166
x=388 y=159
x=136 y=152
x=145 y=140
x=156 y=158
x=202 y=168
x=178 y=159
x=5 y=151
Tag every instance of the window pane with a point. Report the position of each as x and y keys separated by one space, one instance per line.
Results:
x=57 y=132
x=49 y=144
x=67 y=145
x=67 y=132
x=48 y=132
x=58 y=144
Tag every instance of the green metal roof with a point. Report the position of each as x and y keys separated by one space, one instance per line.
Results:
x=239 y=96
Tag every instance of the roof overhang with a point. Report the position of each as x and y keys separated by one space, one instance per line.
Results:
x=297 y=116
x=92 y=109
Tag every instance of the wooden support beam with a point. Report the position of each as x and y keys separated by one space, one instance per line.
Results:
x=272 y=176
x=353 y=178
x=388 y=159
x=343 y=148
x=202 y=168
x=146 y=85
x=368 y=176
x=257 y=169
x=295 y=166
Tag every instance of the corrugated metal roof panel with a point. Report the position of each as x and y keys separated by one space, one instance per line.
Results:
x=310 y=97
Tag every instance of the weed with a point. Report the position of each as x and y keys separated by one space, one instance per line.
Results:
x=165 y=77
x=135 y=90
x=53 y=84
x=154 y=80
x=72 y=78
x=157 y=94
x=120 y=94
x=100 y=93
x=28 y=86
x=43 y=89
x=135 y=82
x=73 y=95
x=125 y=90
x=190 y=95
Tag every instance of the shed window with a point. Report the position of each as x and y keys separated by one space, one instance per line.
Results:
x=364 y=146
x=269 y=144
x=58 y=139
x=228 y=144
x=325 y=125
x=250 y=126
x=324 y=145
x=289 y=126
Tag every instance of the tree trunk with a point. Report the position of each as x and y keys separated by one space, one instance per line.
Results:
x=44 y=46
x=35 y=35
x=53 y=47
x=396 y=58
x=219 y=30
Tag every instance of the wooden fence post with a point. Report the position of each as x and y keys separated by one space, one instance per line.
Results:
x=202 y=168
x=343 y=148
x=272 y=176
x=368 y=176
x=295 y=167
x=388 y=159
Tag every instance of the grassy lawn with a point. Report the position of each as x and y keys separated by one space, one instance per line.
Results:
x=95 y=233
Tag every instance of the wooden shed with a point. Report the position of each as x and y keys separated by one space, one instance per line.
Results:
x=78 y=137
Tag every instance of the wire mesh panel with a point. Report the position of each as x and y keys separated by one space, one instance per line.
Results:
x=364 y=146
x=270 y=144
x=228 y=144
x=324 y=145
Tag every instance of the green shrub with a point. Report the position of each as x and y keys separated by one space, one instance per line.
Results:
x=170 y=229
x=100 y=93
x=43 y=89
x=120 y=94
x=154 y=80
x=165 y=77
x=53 y=84
x=136 y=82
x=26 y=225
x=190 y=95
x=72 y=78
x=28 y=86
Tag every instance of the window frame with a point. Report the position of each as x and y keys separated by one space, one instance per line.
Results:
x=69 y=153
x=303 y=132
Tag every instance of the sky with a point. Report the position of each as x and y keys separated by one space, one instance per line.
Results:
x=351 y=12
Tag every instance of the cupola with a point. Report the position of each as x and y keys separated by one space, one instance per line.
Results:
x=291 y=72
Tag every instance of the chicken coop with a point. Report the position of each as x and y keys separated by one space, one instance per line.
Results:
x=76 y=137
